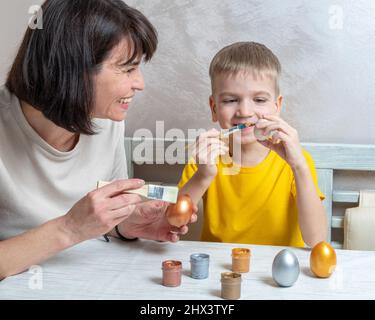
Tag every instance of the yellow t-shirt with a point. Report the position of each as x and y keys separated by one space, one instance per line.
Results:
x=256 y=206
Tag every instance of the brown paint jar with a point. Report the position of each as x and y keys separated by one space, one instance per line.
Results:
x=231 y=285
x=240 y=260
x=172 y=273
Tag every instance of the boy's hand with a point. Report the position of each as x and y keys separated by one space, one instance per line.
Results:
x=285 y=142
x=206 y=150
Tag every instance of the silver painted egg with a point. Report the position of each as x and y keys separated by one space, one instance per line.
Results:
x=285 y=268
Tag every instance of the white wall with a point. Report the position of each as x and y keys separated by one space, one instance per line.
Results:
x=329 y=73
x=14 y=19
x=328 y=61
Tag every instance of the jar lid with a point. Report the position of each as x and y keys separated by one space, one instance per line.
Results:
x=172 y=264
x=231 y=277
x=199 y=257
x=241 y=252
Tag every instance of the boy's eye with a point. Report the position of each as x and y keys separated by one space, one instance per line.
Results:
x=260 y=100
x=227 y=101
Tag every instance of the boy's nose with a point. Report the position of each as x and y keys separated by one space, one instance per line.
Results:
x=245 y=109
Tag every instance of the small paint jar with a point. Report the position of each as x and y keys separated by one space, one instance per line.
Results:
x=199 y=265
x=231 y=285
x=172 y=273
x=240 y=260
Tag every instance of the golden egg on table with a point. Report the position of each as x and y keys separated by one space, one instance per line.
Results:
x=323 y=260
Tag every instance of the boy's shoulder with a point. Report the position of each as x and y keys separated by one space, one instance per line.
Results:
x=271 y=160
x=308 y=156
x=305 y=153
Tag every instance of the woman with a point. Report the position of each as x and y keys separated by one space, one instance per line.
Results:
x=61 y=131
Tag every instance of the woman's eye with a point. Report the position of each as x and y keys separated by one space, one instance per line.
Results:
x=129 y=70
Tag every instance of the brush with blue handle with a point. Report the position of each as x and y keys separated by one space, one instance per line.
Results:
x=241 y=126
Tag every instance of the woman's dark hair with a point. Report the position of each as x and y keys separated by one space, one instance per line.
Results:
x=54 y=67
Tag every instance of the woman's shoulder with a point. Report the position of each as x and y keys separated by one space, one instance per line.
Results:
x=8 y=103
x=109 y=127
x=5 y=98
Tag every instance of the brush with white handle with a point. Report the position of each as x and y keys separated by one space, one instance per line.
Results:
x=153 y=192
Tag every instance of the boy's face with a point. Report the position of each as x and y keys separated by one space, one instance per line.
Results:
x=244 y=97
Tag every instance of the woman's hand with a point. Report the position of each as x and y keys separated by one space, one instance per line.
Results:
x=206 y=150
x=148 y=221
x=101 y=210
x=285 y=140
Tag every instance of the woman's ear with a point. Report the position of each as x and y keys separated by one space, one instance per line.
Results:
x=213 y=109
x=279 y=104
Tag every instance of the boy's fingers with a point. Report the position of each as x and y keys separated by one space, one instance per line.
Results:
x=120 y=186
x=280 y=127
x=203 y=139
x=279 y=120
x=204 y=151
x=275 y=127
x=271 y=117
x=214 y=153
x=212 y=140
x=283 y=137
x=211 y=144
x=264 y=124
x=204 y=143
x=216 y=145
x=213 y=133
x=209 y=134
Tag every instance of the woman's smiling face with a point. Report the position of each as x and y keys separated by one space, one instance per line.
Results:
x=116 y=83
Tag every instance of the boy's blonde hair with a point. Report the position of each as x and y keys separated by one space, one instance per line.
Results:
x=246 y=56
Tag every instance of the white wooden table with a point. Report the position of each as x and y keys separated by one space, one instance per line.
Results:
x=119 y=270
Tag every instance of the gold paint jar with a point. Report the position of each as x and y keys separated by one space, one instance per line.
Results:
x=241 y=260
x=231 y=285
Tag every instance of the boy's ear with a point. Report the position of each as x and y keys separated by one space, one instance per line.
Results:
x=279 y=104
x=213 y=108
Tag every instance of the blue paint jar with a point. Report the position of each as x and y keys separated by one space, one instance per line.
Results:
x=199 y=265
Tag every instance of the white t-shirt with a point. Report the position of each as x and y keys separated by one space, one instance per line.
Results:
x=39 y=183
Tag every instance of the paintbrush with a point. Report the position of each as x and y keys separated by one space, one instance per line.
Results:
x=227 y=132
x=153 y=192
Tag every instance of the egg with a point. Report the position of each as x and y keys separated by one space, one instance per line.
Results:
x=323 y=260
x=179 y=214
x=285 y=268
x=258 y=133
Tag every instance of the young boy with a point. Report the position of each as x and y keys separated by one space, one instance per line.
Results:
x=273 y=198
